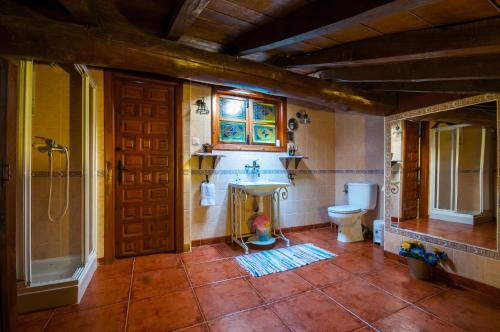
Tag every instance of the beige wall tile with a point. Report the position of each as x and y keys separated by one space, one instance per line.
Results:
x=468 y=265
x=492 y=272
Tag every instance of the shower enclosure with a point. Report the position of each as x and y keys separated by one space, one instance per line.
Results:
x=56 y=244
x=462 y=173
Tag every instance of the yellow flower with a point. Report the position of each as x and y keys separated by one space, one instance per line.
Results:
x=405 y=245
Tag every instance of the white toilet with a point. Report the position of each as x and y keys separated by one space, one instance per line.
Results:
x=361 y=197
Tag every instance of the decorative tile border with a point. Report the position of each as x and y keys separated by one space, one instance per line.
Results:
x=495 y=254
x=56 y=174
x=284 y=171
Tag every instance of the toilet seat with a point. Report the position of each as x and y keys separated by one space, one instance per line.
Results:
x=347 y=209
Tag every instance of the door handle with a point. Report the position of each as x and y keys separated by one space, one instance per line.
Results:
x=5 y=176
x=108 y=176
x=120 y=167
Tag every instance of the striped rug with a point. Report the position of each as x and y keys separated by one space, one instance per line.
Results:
x=282 y=259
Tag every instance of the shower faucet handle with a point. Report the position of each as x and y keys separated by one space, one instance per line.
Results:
x=49 y=141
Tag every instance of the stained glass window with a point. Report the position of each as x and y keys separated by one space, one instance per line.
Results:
x=264 y=134
x=263 y=112
x=233 y=108
x=242 y=119
x=232 y=132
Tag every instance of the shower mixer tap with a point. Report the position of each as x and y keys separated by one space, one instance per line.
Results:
x=49 y=146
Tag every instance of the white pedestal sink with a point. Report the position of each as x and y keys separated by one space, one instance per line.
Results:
x=259 y=188
x=239 y=192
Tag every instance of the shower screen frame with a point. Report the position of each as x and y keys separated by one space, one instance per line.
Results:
x=89 y=178
x=453 y=213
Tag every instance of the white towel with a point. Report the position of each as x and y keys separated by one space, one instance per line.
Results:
x=207 y=194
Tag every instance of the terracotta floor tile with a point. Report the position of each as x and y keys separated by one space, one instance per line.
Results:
x=201 y=255
x=412 y=319
x=279 y=285
x=322 y=273
x=375 y=253
x=226 y=297
x=31 y=326
x=103 y=319
x=397 y=281
x=256 y=320
x=156 y=262
x=229 y=249
x=355 y=263
x=466 y=309
x=332 y=245
x=197 y=328
x=296 y=237
x=102 y=292
x=119 y=268
x=313 y=311
x=33 y=322
x=365 y=300
x=323 y=234
x=168 y=312
x=159 y=282
x=358 y=247
x=205 y=273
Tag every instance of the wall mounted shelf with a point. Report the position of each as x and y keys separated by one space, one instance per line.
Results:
x=201 y=155
x=297 y=160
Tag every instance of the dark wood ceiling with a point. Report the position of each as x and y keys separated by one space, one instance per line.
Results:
x=379 y=45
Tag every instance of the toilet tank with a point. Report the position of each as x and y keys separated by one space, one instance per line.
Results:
x=362 y=195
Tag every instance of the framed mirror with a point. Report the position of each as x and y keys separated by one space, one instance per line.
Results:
x=441 y=174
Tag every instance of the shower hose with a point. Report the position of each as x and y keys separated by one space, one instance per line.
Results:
x=51 y=175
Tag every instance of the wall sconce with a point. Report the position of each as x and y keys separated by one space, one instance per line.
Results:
x=303 y=117
x=202 y=106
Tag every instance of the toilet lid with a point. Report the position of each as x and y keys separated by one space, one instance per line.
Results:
x=344 y=209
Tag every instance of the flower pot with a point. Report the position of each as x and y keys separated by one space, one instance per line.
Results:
x=419 y=269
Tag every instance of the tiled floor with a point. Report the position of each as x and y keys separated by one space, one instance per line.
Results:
x=482 y=235
x=206 y=290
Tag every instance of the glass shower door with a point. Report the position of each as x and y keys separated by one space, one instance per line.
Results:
x=469 y=170
x=57 y=173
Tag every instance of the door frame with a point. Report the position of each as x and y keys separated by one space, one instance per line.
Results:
x=109 y=158
x=8 y=194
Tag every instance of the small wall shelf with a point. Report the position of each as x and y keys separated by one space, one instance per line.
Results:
x=215 y=158
x=297 y=160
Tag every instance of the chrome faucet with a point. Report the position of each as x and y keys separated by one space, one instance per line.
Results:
x=255 y=168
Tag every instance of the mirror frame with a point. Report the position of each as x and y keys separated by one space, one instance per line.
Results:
x=495 y=254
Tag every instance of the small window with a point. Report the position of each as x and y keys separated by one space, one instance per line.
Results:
x=248 y=122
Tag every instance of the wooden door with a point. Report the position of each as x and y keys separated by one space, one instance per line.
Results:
x=144 y=165
x=8 y=154
x=409 y=186
x=423 y=167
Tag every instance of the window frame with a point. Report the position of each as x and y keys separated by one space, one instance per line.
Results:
x=280 y=104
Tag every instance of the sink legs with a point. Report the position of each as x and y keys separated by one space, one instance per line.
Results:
x=238 y=199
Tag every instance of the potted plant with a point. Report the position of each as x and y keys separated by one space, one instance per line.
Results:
x=420 y=261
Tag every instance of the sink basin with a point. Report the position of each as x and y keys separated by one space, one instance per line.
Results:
x=260 y=188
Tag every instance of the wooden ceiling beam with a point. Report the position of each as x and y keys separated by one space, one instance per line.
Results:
x=72 y=43
x=458 y=40
x=455 y=87
x=80 y=10
x=460 y=68
x=181 y=19
x=318 y=18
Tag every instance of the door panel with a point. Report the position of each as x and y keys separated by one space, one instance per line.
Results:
x=144 y=116
x=409 y=187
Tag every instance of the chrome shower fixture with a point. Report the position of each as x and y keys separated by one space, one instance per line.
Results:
x=49 y=146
